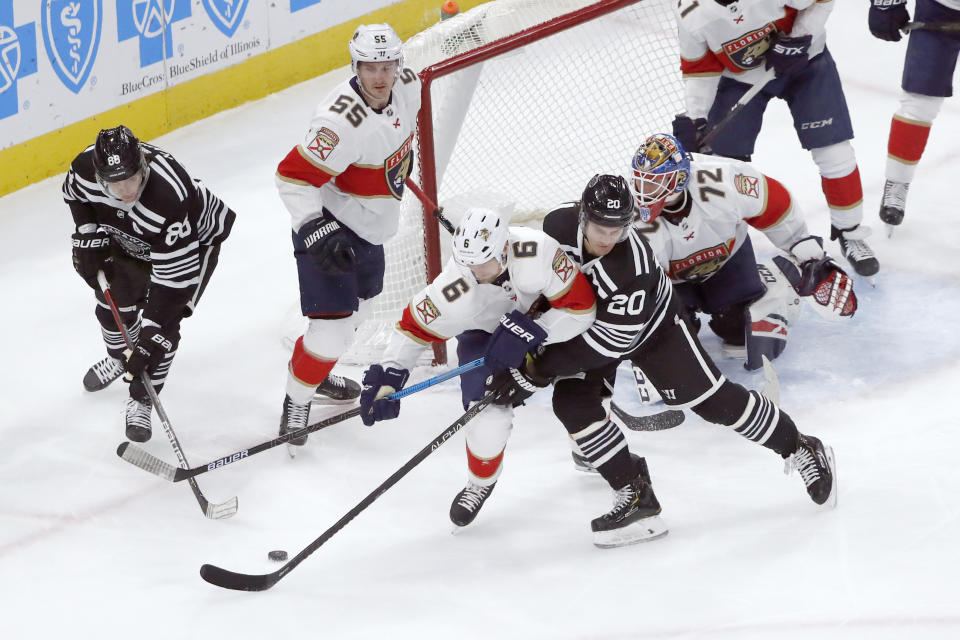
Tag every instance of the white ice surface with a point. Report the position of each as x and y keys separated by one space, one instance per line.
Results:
x=91 y=547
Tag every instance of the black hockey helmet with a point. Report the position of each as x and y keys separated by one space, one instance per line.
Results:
x=607 y=201
x=117 y=154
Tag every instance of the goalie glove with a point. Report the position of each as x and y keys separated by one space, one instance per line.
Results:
x=822 y=282
x=516 y=384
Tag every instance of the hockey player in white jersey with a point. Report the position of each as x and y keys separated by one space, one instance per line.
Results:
x=496 y=273
x=342 y=186
x=726 y=46
x=695 y=210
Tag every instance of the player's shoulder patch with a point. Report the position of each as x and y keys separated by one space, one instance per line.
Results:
x=324 y=141
x=427 y=311
x=563 y=265
x=747 y=185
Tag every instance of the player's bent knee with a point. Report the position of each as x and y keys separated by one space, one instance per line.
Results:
x=725 y=405
x=488 y=432
x=328 y=337
x=576 y=410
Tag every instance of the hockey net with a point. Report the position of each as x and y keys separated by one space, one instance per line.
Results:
x=524 y=101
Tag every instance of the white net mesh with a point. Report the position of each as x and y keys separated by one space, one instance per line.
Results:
x=530 y=126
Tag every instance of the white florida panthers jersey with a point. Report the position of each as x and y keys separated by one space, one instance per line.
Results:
x=354 y=160
x=733 y=40
x=725 y=196
x=454 y=302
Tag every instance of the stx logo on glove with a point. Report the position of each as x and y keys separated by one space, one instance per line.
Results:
x=92 y=243
x=787 y=51
x=516 y=329
x=326 y=229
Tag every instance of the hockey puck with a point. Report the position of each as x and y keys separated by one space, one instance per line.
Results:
x=278 y=556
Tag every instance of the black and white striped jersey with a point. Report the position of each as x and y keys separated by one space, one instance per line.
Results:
x=174 y=217
x=633 y=297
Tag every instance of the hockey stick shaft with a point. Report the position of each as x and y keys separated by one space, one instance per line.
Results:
x=930 y=26
x=431 y=205
x=213 y=511
x=148 y=462
x=260 y=582
x=737 y=108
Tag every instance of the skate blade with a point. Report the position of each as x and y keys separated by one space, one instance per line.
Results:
x=292 y=451
x=457 y=529
x=890 y=228
x=640 y=531
x=326 y=401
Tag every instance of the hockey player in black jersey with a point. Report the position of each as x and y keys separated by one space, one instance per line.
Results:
x=155 y=232
x=638 y=320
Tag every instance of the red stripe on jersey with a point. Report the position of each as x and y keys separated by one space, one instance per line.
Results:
x=777 y=206
x=296 y=167
x=845 y=192
x=307 y=367
x=907 y=140
x=363 y=181
x=785 y=24
x=708 y=64
x=579 y=297
x=483 y=468
x=407 y=324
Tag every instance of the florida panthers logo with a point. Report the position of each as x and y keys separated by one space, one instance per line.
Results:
x=699 y=266
x=746 y=52
x=71 y=33
x=396 y=168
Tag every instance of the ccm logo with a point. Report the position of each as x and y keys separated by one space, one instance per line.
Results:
x=818 y=124
x=516 y=329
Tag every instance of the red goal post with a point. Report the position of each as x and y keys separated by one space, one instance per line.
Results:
x=522 y=102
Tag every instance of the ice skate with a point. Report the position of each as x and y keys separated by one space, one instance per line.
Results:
x=137 y=419
x=634 y=517
x=893 y=204
x=580 y=463
x=856 y=250
x=101 y=374
x=817 y=467
x=294 y=417
x=468 y=502
x=336 y=390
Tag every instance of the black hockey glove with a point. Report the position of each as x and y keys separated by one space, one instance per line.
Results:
x=91 y=253
x=329 y=244
x=515 y=385
x=515 y=337
x=689 y=132
x=378 y=383
x=887 y=17
x=788 y=54
x=152 y=347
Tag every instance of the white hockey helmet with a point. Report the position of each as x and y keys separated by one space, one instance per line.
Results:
x=480 y=237
x=375 y=43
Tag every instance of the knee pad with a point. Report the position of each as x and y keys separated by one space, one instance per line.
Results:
x=914 y=106
x=725 y=405
x=577 y=410
x=835 y=160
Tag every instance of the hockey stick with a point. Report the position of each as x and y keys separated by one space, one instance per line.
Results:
x=429 y=204
x=737 y=108
x=210 y=510
x=260 y=582
x=148 y=462
x=657 y=422
x=930 y=26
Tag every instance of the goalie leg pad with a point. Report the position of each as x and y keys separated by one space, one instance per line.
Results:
x=770 y=317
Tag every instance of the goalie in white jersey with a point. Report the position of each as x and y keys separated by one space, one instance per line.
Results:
x=496 y=273
x=695 y=211
x=342 y=186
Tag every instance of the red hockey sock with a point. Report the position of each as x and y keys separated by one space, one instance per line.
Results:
x=483 y=467
x=845 y=192
x=308 y=368
x=907 y=140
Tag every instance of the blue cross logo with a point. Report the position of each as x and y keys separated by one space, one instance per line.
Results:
x=151 y=21
x=226 y=14
x=71 y=33
x=296 y=5
x=18 y=57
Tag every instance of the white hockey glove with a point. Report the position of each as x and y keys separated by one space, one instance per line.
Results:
x=822 y=283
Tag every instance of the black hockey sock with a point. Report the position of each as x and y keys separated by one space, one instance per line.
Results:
x=764 y=423
x=603 y=444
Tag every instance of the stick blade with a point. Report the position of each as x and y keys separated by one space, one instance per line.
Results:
x=140 y=458
x=221 y=511
x=226 y=579
x=657 y=422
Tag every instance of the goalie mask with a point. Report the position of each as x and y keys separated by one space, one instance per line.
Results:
x=661 y=168
x=375 y=43
x=480 y=237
